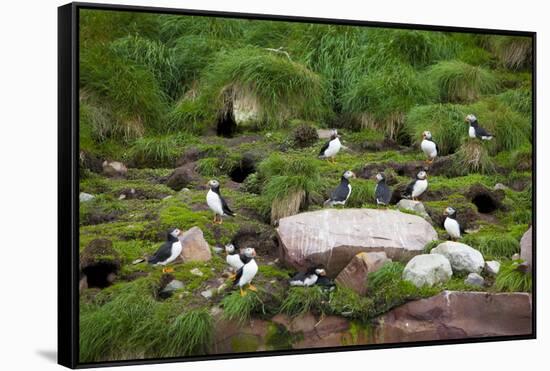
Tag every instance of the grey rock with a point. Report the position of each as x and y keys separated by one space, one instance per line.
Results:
x=332 y=237
x=462 y=257
x=474 y=279
x=516 y=256
x=85 y=197
x=173 y=286
x=500 y=186
x=526 y=245
x=427 y=270
x=492 y=267
x=114 y=169
x=207 y=294
x=196 y=272
x=415 y=206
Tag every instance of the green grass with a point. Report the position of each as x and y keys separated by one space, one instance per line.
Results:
x=473 y=157
x=346 y=302
x=300 y=300
x=493 y=244
x=514 y=52
x=460 y=82
x=155 y=151
x=511 y=280
x=270 y=81
x=240 y=308
x=191 y=333
x=383 y=97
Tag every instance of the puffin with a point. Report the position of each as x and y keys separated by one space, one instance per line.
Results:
x=331 y=148
x=247 y=272
x=233 y=258
x=428 y=146
x=451 y=224
x=382 y=192
x=169 y=251
x=340 y=194
x=216 y=202
x=308 y=278
x=475 y=130
x=417 y=187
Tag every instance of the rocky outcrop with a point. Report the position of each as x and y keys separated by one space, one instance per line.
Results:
x=427 y=270
x=333 y=237
x=474 y=279
x=492 y=267
x=457 y=315
x=526 y=245
x=114 y=169
x=354 y=275
x=195 y=247
x=462 y=257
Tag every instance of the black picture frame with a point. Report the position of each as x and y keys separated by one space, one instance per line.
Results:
x=68 y=187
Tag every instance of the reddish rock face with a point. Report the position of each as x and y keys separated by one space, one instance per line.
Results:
x=354 y=275
x=333 y=237
x=457 y=315
x=526 y=244
x=195 y=247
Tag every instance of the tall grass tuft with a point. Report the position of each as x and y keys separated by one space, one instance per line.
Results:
x=513 y=52
x=459 y=82
x=155 y=151
x=383 y=97
x=473 y=157
x=131 y=91
x=281 y=88
x=190 y=333
x=511 y=279
x=288 y=183
x=300 y=300
x=444 y=121
x=240 y=308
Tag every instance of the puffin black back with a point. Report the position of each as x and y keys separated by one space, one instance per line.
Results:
x=227 y=176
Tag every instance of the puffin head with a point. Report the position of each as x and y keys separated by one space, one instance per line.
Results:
x=421 y=175
x=349 y=174
x=380 y=177
x=174 y=232
x=230 y=248
x=427 y=135
x=320 y=272
x=334 y=134
x=449 y=211
x=470 y=119
x=249 y=252
x=213 y=184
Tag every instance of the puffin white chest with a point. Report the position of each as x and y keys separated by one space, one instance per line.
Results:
x=175 y=252
x=214 y=202
x=452 y=227
x=249 y=271
x=349 y=191
x=234 y=260
x=333 y=148
x=429 y=148
x=420 y=187
x=472 y=132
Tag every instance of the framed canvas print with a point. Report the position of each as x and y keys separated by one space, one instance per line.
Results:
x=239 y=185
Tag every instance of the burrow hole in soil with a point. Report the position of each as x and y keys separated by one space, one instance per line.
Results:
x=484 y=203
x=226 y=126
x=100 y=275
x=245 y=168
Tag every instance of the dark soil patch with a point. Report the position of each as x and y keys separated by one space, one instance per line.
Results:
x=263 y=240
x=485 y=199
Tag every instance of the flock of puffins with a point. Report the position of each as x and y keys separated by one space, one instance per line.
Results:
x=243 y=263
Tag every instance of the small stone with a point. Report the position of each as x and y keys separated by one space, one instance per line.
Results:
x=207 y=294
x=185 y=190
x=463 y=258
x=474 y=279
x=85 y=197
x=500 y=186
x=218 y=249
x=492 y=267
x=428 y=270
x=173 y=285
x=515 y=256
x=196 y=272
x=168 y=197
x=215 y=311
x=222 y=288
x=122 y=197
x=415 y=206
